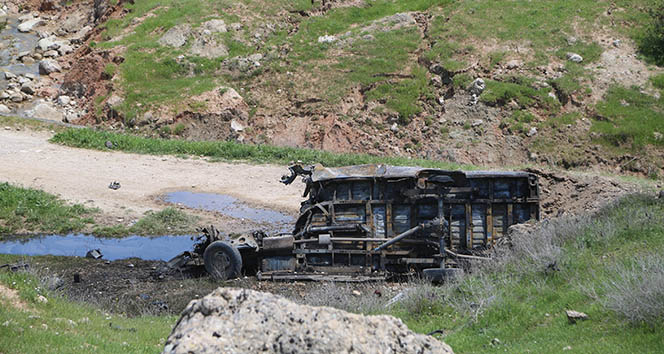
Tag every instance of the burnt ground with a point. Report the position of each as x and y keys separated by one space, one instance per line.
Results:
x=136 y=287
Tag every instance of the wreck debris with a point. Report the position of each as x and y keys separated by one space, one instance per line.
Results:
x=368 y=222
x=94 y=254
x=115 y=185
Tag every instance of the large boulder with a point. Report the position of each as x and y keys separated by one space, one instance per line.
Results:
x=29 y=25
x=247 y=321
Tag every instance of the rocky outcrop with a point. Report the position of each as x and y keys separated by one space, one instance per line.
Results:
x=247 y=321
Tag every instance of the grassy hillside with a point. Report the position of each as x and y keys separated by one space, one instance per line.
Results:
x=338 y=77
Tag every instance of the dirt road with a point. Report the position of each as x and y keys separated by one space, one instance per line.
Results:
x=83 y=176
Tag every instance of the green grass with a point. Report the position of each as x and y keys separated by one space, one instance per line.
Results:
x=518 y=122
x=25 y=209
x=519 y=90
x=90 y=330
x=527 y=313
x=226 y=150
x=658 y=81
x=628 y=119
x=169 y=221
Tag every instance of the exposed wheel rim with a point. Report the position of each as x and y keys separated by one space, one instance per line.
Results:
x=221 y=264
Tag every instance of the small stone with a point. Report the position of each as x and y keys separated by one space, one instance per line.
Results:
x=29 y=25
x=571 y=40
x=573 y=316
x=441 y=100
x=327 y=39
x=532 y=132
x=27 y=88
x=64 y=100
x=575 y=58
x=4 y=109
x=356 y=293
x=44 y=326
x=657 y=135
x=42 y=299
x=394 y=127
x=235 y=26
x=477 y=87
x=495 y=341
x=567 y=348
x=48 y=66
x=236 y=126
x=130 y=265
x=9 y=75
x=513 y=64
x=51 y=54
x=616 y=43
x=476 y=123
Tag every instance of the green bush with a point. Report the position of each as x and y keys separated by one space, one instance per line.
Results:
x=651 y=44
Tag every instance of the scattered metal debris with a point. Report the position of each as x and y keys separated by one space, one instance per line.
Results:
x=94 y=254
x=15 y=267
x=115 y=185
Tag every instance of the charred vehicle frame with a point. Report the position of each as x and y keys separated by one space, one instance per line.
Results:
x=369 y=221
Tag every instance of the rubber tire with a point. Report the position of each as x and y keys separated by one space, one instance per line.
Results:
x=222 y=260
x=441 y=274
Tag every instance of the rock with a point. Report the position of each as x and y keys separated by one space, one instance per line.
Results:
x=54 y=283
x=616 y=43
x=575 y=58
x=80 y=34
x=441 y=100
x=4 y=95
x=657 y=135
x=571 y=40
x=15 y=96
x=29 y=25
x=41 y=299
x=513 y=64
x=477 y=87
x=356 y=293
x=573 y=316
x=531 y=132
x=51 y=54
x=437 y=81
x=236 y=126
x=214 y=26
x=176 y=36
x=9 y=75
x=476 y=123
x=661 y=194
x=248 y=321
x=23 y=54
x=552 y=95
x=65 y=49
x=27 y=88
x=37 y=56
x=44 y=110
x=394 y=127
x=74 y=21
x=48 y=66
x=208 y=47
x=236 y=26
x=30 y=76
x=495 y=341
x=327 y=39
x=4 y=109
x=256 y=57
x=64 y=100
x=48 y=43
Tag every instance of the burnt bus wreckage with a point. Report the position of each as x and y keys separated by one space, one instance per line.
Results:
x=369 y=221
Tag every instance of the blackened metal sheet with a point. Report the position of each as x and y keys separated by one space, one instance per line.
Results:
x=384 y=171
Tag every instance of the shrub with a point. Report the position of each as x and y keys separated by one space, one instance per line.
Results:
x=651 y=44
x=636 y=290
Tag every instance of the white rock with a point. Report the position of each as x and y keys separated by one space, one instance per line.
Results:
x=29 y=25
x=575 y=58
x=327 y=39
x=215 y=26
x=477 y=87
x=64 y=100
x=476 y=123
x=513 y=64
x=48 y=43
x=176 y=36
x=9 y=75
x=4 y=109
x=51 y=54
x=41 y=299
x=48 y=66
x=394 y=127
x=236 y=126
x=532 y=131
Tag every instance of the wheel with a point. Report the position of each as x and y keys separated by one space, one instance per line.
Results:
x=441 y=274
x=222 y=260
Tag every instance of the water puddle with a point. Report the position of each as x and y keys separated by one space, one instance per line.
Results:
x=149 y=248
x=232 y=207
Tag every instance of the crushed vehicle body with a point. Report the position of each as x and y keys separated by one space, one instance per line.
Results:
x=369 y=221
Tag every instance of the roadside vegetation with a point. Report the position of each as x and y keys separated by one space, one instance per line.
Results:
x=229 y=150
x=29 y=211
x=29 y=325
